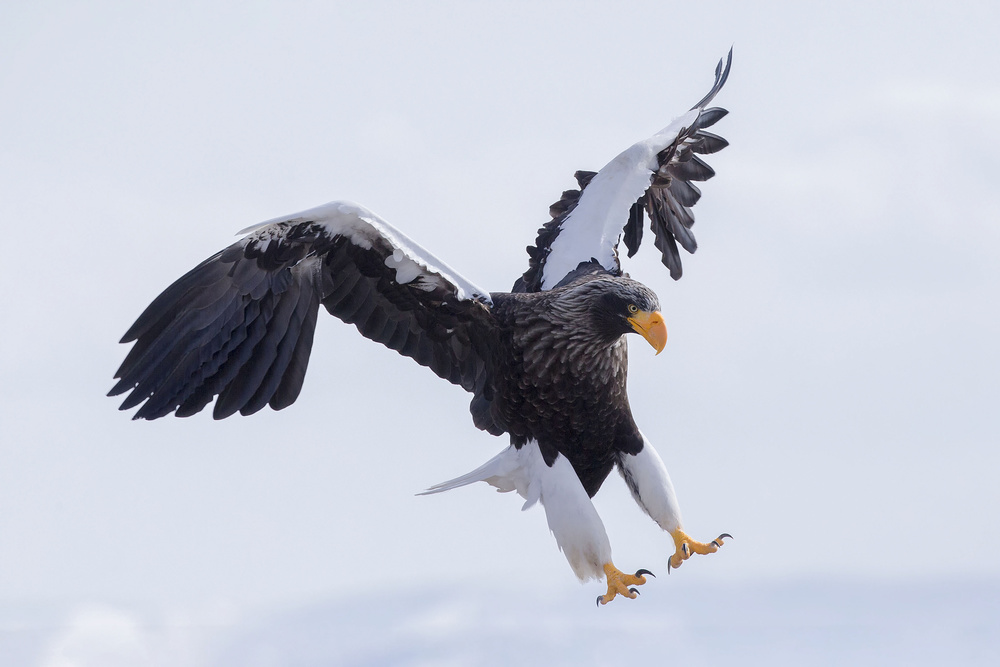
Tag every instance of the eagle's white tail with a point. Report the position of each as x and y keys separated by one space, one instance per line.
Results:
x=568 y=511
x=497 y=467
x=511 y=470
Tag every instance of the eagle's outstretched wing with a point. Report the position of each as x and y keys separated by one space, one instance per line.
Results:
x=653 y=176
x=240 y=324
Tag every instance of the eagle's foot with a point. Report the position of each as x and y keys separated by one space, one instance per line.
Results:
x=619 y=583
x=686 y=546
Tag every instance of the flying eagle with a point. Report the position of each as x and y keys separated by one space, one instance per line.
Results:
x=545 y=363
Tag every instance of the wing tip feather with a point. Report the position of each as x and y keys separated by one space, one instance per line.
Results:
x=721 y=76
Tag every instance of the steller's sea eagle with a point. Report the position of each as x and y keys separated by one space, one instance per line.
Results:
x=545 y=363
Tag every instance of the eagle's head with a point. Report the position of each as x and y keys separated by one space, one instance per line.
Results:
x=617 y=305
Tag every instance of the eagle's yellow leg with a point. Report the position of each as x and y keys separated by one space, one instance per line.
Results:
x=686 y=546
x=619 y=582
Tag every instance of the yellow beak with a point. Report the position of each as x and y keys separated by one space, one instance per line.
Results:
x=651 y=327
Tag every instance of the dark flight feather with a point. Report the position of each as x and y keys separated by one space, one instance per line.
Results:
x=239 y=326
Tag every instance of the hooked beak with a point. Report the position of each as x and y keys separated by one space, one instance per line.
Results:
x=650 y=326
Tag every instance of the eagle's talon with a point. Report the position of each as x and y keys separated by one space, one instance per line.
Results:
x=622 y=584
x=718 y=542
x=644 y=571
x=686 y=547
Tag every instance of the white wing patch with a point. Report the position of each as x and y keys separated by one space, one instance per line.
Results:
x=406 y=269
x=412 y=263
x=593 y=228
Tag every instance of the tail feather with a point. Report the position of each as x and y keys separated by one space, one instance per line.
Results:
x=496 y=472
x=512 y=469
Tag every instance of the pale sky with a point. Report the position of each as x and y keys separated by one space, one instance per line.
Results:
x=828 y=395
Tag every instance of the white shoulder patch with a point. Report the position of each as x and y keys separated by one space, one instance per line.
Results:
x=410 y=261
x=592 y=229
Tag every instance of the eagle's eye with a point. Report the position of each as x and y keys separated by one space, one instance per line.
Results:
x=632 y=308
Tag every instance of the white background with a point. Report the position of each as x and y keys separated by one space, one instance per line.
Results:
x=829 y=394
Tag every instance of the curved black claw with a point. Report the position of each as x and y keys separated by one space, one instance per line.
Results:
x=639 y=573
x=718 y=541
x=686 y=549
x=634 y=590
x=599 y=598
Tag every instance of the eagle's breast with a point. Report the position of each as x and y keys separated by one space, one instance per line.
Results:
x=561 y=383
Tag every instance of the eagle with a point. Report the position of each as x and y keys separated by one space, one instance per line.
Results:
x=546 y=363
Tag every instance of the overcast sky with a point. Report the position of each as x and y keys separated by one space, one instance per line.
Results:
x=829 y=394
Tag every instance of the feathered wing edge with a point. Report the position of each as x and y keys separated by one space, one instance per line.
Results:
x=240 y=325
x=653 y=177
